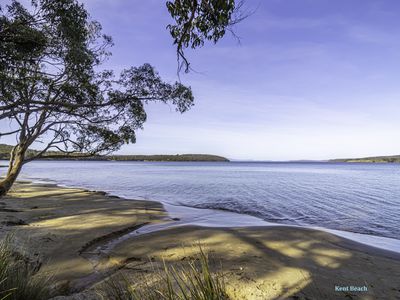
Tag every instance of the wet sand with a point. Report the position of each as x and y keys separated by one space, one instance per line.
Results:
x=65 y=227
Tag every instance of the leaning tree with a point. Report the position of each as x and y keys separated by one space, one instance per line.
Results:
x=54 y=93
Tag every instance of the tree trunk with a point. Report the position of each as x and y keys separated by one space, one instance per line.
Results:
x=16 y=161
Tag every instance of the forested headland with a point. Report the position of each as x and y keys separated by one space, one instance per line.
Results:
x=5 y=151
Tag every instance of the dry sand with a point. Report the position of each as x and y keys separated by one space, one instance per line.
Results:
x=63 y=226
x=61 y=222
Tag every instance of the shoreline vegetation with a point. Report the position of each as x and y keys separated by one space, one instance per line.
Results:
x=66 y=231
x=372 y=159
x=5 y=151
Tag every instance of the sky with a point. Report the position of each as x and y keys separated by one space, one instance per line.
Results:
x=309 y=79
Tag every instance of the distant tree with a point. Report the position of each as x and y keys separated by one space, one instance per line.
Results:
x=52 y=90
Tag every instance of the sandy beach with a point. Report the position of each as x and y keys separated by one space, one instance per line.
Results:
x=63 y=228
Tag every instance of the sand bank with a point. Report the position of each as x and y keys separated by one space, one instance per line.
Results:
x=65 y=228
x=56 y=224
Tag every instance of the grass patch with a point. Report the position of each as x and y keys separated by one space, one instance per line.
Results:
x=18 y=279
x=191 y=280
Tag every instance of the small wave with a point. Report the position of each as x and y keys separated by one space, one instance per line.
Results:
x=232 y=205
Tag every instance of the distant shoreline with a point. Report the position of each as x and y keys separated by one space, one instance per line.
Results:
x=106 y=159
x=372 y=159
x=5 y=151
x=148 y=158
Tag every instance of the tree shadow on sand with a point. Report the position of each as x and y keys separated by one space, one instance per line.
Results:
x=278 y=262
x=257 y=263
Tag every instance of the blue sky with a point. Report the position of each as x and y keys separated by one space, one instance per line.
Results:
x=311 y=79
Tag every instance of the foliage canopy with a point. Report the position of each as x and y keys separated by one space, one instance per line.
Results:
x=52 y=87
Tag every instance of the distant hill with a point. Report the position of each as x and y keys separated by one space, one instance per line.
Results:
x=177 y=157
x=374 y=159
x=6 y=149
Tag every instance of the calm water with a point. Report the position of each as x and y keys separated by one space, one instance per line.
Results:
x=363 y=198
